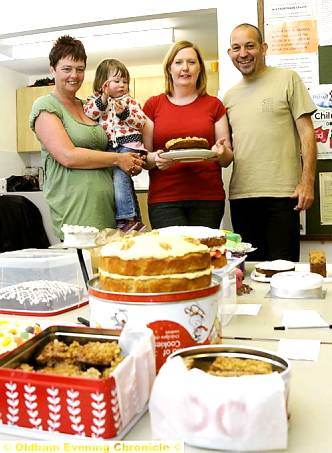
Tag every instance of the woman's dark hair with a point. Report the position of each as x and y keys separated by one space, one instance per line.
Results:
x=66 y=46
x=107 y=67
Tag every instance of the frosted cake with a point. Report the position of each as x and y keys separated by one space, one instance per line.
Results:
x=154 y=262
x=79 y=236
x=40 y=295
x=269 y=268
x=296 y=284
x=212 y=238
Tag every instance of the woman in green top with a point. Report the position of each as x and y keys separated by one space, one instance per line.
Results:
x=78 y=176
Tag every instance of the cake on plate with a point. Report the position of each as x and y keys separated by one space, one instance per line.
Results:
x=269 y=268
x=79 y=236
x=296 y=284
x=154 y=262
x=317 y=261
x=212 y=238
x=187 y=143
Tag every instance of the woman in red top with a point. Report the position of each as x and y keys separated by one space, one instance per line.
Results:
x=186 y=193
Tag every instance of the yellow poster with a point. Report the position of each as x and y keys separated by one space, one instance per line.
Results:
x=292 y=37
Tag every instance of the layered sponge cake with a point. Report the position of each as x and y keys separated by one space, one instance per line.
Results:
x=154 y=262
x=212 y=238
x=269 y=268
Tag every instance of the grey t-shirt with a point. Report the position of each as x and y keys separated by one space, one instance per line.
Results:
x=262 y=113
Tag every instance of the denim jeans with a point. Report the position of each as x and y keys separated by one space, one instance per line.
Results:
x=270 y=224
x=126 y=203
x=189 y=212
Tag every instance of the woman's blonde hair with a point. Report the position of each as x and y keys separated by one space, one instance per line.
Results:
x=106 y=67
x=170 y=56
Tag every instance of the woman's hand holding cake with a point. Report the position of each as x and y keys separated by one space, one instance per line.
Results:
x=222 y=151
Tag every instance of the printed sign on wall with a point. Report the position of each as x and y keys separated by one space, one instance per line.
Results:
x=322 y=119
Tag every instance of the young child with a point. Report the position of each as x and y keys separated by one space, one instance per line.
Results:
x=123 y=120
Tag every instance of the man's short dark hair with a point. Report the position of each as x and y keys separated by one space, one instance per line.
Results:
x=258 y=32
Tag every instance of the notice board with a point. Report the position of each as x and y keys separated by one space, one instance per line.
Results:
x=319 y=216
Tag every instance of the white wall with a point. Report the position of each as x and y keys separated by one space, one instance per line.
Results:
x=228 y=17
x=35 y=15
x=10 y=161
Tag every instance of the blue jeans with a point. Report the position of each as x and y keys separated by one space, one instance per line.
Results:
x=189 y=212
x=126 y=203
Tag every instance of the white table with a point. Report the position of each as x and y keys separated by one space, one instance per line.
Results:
x=270 y=314
x=310 y=389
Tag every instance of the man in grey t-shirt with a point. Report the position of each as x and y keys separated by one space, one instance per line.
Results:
x=274 y=144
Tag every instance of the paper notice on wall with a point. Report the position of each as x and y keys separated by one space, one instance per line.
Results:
x=324 y=14
x=325 y=194
x=291 y=37
x=306 y=65
x=322 y=120
x=276 y=10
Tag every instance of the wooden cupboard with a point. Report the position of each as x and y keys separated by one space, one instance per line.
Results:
x=26 y=139
x=25 y=97
x=142 y=198
x=144 y=87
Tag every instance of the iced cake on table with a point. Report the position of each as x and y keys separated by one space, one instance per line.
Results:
x=296 y=284
x=212 y=238
x=79 y=236
x=39 y=295
x=269 y=268
x=154 y=262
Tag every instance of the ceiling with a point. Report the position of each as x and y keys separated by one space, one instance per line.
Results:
x=199 y=26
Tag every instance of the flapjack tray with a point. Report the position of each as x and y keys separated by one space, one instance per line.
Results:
x=70 y=380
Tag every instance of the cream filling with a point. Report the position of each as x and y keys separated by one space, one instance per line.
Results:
x=152 y=245
x=276 y=265
x=222 y=249
x=188 y=275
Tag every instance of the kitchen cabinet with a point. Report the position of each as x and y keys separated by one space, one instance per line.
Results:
x=25 y=97
x=213 y=83
x=145 y=87
x=26 y=139
x=142 y=198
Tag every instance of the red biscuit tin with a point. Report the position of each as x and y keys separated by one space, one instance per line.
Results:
x=71 y=405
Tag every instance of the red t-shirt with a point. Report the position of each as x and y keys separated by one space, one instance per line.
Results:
x=185 y=181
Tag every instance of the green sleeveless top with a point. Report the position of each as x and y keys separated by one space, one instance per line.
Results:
x=74 y=196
